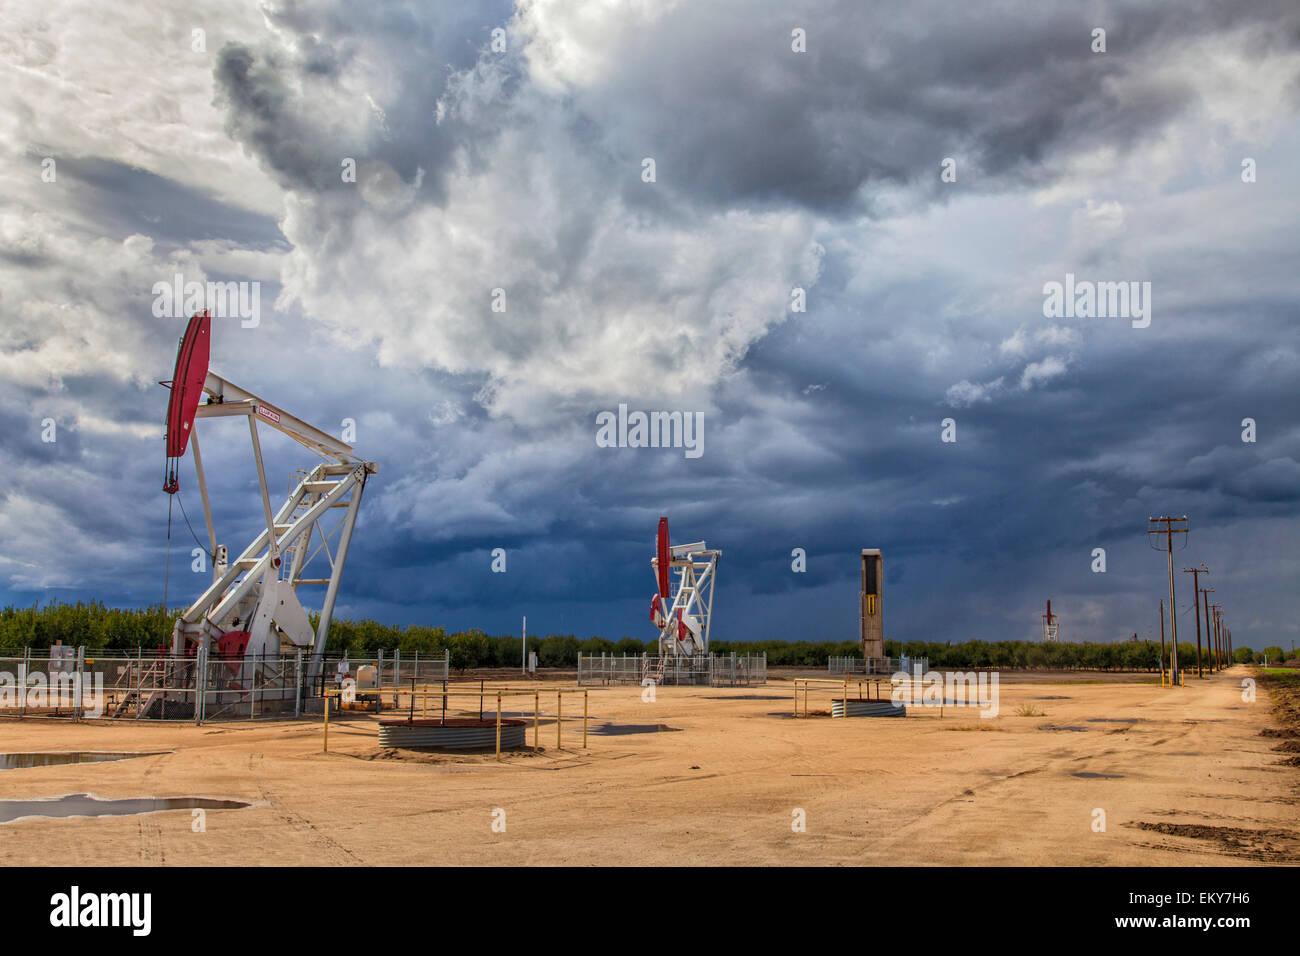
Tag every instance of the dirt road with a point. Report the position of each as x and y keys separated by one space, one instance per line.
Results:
x=1182 y=777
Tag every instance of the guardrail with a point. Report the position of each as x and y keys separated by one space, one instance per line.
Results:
x=803 y=683
x=482 y=692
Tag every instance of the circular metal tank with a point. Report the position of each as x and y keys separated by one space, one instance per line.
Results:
x=456 y=733
x=867 y=708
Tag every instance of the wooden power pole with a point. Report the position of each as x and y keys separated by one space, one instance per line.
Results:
x=1154 y=533
x=1196 y=609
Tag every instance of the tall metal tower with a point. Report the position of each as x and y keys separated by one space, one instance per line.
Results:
x=1051 y=624
x=871 y=613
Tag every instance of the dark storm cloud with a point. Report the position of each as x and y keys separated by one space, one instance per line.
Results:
x=292 y=108
x=826 y=436
x=123 y=200
x=884 y=93
x=733 y=116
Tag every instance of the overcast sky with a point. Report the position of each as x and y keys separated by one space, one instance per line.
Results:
x=520 y=165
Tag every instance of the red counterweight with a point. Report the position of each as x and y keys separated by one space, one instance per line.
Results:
x=187 y=388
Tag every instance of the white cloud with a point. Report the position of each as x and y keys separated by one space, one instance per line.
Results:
x=1040 y=373
x=1022 y=341
x=965 y=393
x=128 y=87
x=608 y=295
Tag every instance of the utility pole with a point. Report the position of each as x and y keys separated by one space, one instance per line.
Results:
x=1218 y=623
x=1196 y=609
x=1154 y=533
x=1218 y=631
x=1162 y=642
x=1211 y=632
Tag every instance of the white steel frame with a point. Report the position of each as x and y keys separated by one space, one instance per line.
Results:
x=259 y=588
x=695 y=568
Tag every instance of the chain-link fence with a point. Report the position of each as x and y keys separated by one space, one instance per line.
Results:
x=733 y=670
x=116 y=684
x=875 y=665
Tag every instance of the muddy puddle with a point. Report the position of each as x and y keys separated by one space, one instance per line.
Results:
x=88 y=805
x=619 y=730
x=23 y=761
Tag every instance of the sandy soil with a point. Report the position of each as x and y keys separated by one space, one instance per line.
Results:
x=1183 y=776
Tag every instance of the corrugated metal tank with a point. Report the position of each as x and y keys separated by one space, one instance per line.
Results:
x=459 y=733
x=867 y=708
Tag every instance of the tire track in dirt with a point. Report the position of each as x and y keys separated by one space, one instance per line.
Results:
x=151 y=843
x=152 y=852
x=1056 y=760
x=300 y=825
x=1261 y=845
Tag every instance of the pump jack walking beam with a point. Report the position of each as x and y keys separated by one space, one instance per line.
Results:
x=226 y=398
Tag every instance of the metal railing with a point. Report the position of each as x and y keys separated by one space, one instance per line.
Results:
x=875 y=665
x=713 y=670
x=151 y=685
x=394 y=669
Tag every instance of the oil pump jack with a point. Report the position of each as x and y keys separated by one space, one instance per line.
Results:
x=251 y=610
x=1051 y=624
x=683 y=614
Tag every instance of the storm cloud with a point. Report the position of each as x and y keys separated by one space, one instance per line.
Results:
x=509 y=168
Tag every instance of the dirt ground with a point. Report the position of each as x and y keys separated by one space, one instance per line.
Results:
x=1182 y=776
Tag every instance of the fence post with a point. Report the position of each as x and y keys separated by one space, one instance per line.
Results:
x=498 y=725
x=200 y=675
x=297 y=685
x=559 y=702
x=78 y=707
x=584 y=719
x=325 y=743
